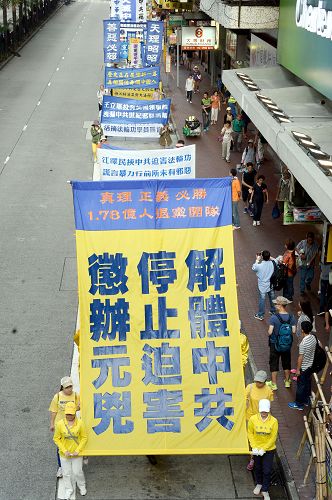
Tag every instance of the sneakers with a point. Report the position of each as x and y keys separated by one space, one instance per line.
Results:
x=258 y=223
x=266 y=495
x=295 y=406
x=293 y=370
x=250 y=466
x=320 y=313
x=236 y=227
x=83 y=491
x=257 y=316
x=287 y=383
x=245 y=211
x=257 y=489
x=254 y=223
x=85 y=460
x=59 y=473
x=273 y=386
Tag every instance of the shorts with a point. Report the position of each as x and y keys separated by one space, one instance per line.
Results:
x=274 y=359
x=245 y=193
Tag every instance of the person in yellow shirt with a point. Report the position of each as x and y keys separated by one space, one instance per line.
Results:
x=57 y=407
x=254 y=393
x=262 y=435
x=70 y=437
x=244 y=349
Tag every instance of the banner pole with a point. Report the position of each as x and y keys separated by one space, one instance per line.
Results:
x=177 y=59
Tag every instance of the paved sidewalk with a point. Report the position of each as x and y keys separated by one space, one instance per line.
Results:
x=248 y=241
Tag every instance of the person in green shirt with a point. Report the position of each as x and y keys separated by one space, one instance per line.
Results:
x=238 y=130
x=206 y=111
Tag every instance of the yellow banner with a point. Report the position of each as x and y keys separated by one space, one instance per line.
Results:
x=160 y=365
x=141 y=94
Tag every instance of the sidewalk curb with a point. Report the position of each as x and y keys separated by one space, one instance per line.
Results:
x=284 y=468
x=27 y=40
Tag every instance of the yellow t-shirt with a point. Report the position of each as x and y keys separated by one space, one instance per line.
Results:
x=262 y=435
x=254 y=395
x=72 y=441
x=59 y=401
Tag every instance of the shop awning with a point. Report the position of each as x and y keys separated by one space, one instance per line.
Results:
x=303 y=106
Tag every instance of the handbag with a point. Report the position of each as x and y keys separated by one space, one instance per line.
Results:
x=275 y=211
x=220 y=138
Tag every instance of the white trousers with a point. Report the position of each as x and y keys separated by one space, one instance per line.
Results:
x=72 y=471
x=214 y=114
x=226 y=149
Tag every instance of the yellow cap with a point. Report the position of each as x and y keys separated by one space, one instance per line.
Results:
x=70 y=408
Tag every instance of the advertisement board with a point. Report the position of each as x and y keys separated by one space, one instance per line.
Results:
x=305 y=42
x=262 y=54
x=199 y=38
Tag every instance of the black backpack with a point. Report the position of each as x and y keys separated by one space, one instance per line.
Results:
x=279 y=275
x=319 y=358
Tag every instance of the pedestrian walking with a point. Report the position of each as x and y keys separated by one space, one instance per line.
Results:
x=57 y=407
x=307 y=250
x=206 y=111
x=249 y=153
x=244 y=349
x=220 y=86
x=264 y=268
x=70 y=437
x=262 y=435
x=96 y=133
x=289 y=260
x=100 y=96
x=197 y=79
x=165 y=139
x=236 y=195
x=258 y=196
x=325 y=275
x=215 y=107
x=282 y=327
x=238 y=130
x=228 y=117
x=305 y=361
x=248 y=181
x=226 y=136
x=328 y=316
x=190 y=84
x=254 y=393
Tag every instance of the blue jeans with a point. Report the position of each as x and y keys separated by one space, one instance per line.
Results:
x=288 y=290
x=303 y=388
x=206 y=119
x=261 y=302
x=235 y=213
x=324 y=284
x=306 y=277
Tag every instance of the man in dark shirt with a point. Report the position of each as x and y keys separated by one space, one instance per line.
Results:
x=248 y=180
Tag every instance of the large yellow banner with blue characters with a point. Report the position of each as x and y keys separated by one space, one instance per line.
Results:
x=160 y=358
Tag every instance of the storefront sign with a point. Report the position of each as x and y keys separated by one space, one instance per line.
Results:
x=178 y=163
x=198 y=38
x=305 y=42
x=262 y=54
x=160 y=359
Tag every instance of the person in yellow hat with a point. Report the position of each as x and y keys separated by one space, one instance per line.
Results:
x=70 y=437
x=57 y=407
x=262 y=435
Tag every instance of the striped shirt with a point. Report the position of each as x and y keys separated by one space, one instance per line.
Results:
x=307 y=348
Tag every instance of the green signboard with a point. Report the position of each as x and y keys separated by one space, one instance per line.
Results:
x=305 y=41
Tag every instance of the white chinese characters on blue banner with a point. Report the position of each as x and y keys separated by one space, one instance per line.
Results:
x=111 y=40
x=154 y=40
x=132 y=78
x=129 y=10
x=121 y=110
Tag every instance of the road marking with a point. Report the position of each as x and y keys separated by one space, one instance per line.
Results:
x=62 y=57
x=68 y=48
x=25 y=127
x=58 y=68
x=38 y=103
x=49 y=84
x=6 y=160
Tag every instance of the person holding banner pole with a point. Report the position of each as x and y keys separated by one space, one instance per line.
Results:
x=165 y=139
x=96 y=133
x=100 y=95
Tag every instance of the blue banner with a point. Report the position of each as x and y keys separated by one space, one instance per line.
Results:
x=154 y=40
x=121 y=110
x=129 y=10
x=111 y=39
x=189 y=203
x=132 y=78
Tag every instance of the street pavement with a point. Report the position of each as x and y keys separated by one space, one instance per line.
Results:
x=46 y=97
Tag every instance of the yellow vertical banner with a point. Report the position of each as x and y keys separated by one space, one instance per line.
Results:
x=161 y=369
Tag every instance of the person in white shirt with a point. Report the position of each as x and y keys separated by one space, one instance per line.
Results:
x=226 y=134
x=190 y=84
x=100 y=95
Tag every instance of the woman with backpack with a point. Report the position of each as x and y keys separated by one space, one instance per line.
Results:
x=57 y=407
x=289 y=260
x=281 y=330
x=305 y=314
